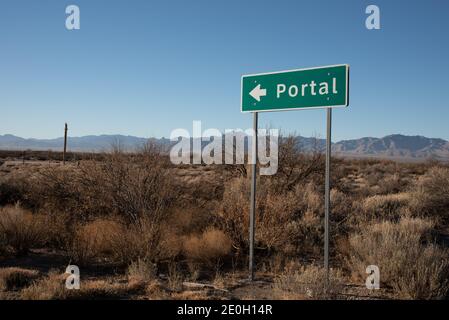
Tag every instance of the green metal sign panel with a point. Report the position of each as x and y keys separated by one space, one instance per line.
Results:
x=296 y=89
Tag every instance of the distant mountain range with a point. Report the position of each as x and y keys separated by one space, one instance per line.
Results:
x=394 y=146
x=85 y=143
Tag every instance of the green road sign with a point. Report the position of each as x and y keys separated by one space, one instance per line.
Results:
x=296 y=89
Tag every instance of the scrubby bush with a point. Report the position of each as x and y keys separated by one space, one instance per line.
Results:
x=131 y=186
x=134 y=188
x=141 y=271
x=11 y=192
x=407 y=260
x=116 y=242
x=308 y=282
x=295 y=166
x=140 y=240
x=391 y=184
x=430 y=195
x=208 y=247
x=52 y=287
x=289 y=223
x=136 y=212
x=384 y=207
x=48 y=288
x=234 y=211
x=16 y=278
x=93 y=240
x=20 y=229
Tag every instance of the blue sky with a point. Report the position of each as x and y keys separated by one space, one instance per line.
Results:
x=145 y=68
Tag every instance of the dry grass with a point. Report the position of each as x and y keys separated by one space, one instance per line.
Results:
x=105 y=289
x=20 y=230
x=308 y=282
x=141 y=271
x=407 y=264
x=93 y=240
x=385 y=207
x=175 y=277
x=116 y=242
x=430 y=196
x=16 y=278
x=133 y=187
x=52 y=287
x=49 y=288
x=283 y=220
x=133 y=212
x=208 y=247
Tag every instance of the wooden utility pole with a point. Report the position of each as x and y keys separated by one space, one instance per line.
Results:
x=65 y=144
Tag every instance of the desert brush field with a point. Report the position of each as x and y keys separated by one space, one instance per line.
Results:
x=139 y=227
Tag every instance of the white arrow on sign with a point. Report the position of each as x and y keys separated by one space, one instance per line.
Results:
x=257 y=92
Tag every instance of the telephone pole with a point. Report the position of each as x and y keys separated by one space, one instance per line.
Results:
x=65 y=144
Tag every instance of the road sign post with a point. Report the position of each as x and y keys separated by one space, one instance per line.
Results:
x=327 y=193
x=65 y=144
x=252 y=214
x=321 y=87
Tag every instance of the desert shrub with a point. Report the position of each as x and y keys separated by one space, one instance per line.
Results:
x=55 y=189
x=93 y=240
x=141 y=271
x=59 y=230
x=175 y=277
x=16 y=278
x=140 y=240
x=20 y=229
x=288 y=222
x=208 y=247
x=384 y=207
x=118 y=242
x=406 y=261
x=48 y=288
x=308 y=282
x=10 y=192
x=170 y=243
x=234 y=211
x=104 y=289
x=133 y=186
x=155 y=290
x=391 y=184
x=188 y=220
x=373 y=179
x=430 y=195
x=342 y=207
x=295 y=166
x=52 y=287
x=429 y=276
x=3 y=245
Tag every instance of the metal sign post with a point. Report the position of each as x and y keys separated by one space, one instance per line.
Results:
x=327 y=194
x=252 y=214
x=320 y=87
